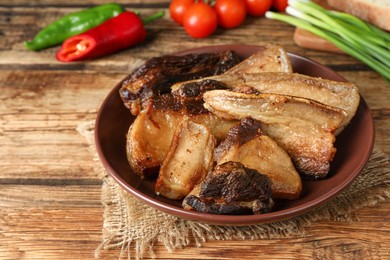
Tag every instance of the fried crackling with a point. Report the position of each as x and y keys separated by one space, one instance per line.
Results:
x=231 y=188
x=156 y=75
x=150 y=135
x=311 y=148
x=271 y=58
x=304 y=130
x=145 y=147
x=341 y=95
x=189 y=159
x=246 y=143
x=272 y=108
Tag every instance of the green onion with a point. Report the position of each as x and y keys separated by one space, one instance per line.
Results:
x=355 y=37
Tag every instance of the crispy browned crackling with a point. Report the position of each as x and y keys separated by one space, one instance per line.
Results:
x=196 y=88
x=148 y=140
x=231 y=188
x=342 y=95
x=272 y=108
x=246 y=143
x=150 y=136
x=271 y=58
x=189 y=159
x=311 y=148
x=190 y=95
x=228 y=81
x=299 y=130
x=156 y=75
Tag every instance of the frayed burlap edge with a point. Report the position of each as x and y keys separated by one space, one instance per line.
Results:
x=132 y=225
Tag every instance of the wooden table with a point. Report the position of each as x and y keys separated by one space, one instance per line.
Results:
x=50 y=204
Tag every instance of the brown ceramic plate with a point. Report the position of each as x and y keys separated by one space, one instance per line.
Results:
x=354 y=147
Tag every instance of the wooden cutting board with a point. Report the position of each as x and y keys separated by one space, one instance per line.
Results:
x=306 y=39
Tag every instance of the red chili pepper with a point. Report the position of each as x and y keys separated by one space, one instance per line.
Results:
x=115 y=34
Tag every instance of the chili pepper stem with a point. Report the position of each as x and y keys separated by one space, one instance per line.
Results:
x=153 y=17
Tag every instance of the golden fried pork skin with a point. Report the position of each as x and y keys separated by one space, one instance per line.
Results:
x=272 y=108
x=271 y=58
x=231 y=188
x=189 y=159
x=148 y=140
x=342 y=95
x=156 y=75
x=303 y=129
x=246 y=143
x=311 y=148
x=150 y=136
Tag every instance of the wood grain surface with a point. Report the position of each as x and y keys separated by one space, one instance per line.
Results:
x=49 y=186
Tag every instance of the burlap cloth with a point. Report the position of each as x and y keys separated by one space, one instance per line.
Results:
x=131 y=224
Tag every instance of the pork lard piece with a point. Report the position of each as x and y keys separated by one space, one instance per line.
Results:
x=271 y=58
x=311 y=148
x=273 y=108
x=304 y=130
x=156 y=75
x=190 y=94
x=150 y=136
x=189 y=159
x=246 y=143
x=341 y=95
x=148 y=140
x=231 y=189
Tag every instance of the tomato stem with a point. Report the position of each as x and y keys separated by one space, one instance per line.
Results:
x=209 y=2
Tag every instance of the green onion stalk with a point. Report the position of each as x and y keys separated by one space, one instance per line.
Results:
x=362 y=40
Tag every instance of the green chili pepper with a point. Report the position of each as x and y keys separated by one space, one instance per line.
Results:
x=72 y=24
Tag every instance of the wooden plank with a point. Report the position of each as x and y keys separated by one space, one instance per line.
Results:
x=53 y=196
x=66 y=224
x=50 y=233
x=39 y=114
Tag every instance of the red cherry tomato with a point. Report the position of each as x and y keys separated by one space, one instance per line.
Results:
x=200 y=20
x=280 y=5
x=230 y=13
x=258 y=7
x=178 y=8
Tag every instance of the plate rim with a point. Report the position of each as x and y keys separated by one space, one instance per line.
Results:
x=215 y=219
